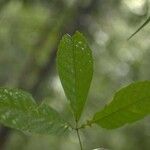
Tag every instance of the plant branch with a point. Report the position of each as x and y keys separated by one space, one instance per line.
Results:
x=141 y=27
x=79 y=138
x=78 y=134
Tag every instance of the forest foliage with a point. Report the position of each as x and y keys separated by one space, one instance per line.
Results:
x=30 y=32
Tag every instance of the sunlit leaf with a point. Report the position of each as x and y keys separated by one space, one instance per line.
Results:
x=75 y=68
x=128 y=105
x=19 y=110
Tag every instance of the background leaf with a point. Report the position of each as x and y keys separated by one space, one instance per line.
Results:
x=18 y=110
x=130 y=104
x=140 y=28
x=75 y=67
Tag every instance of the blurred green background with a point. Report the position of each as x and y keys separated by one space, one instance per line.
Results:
x=30 y=31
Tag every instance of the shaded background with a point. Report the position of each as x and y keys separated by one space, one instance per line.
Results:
x=29 y=35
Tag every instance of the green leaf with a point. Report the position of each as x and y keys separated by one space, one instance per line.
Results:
x=140 y=28
x=75 y=68
x=130 y=104
x=19 y=110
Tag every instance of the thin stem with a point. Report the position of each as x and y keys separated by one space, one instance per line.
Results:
x=78 y=134
x=79 y=138
x=143 y=25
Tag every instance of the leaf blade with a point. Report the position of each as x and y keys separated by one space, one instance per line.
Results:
x=19 y=110
x=127 y=106
x=75 y=68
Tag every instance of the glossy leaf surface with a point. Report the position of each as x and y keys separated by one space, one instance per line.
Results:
x=75 y=68
x=19 y=110
x=130 y=104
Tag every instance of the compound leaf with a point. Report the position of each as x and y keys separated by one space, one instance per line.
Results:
x=75 y=68
x=19 y=110
x=130 y=104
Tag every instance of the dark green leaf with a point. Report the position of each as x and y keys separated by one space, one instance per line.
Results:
x=18 y=110
x=130 y=104
x=75 y=67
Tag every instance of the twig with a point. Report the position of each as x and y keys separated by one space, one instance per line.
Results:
x=141 y=27
x=79 y=138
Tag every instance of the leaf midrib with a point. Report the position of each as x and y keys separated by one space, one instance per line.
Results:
x=122 y=108
x=75 y=75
